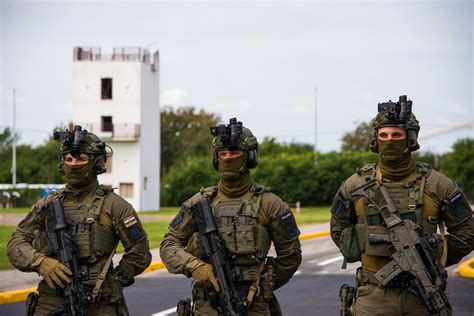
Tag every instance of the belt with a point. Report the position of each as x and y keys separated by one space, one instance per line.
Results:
x=204 y=293
x=403 y=280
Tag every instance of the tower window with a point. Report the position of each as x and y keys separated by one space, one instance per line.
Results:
x=106 y=88
x=107 y=125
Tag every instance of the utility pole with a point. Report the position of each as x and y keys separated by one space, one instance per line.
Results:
x=315 y=124
x=14 y=141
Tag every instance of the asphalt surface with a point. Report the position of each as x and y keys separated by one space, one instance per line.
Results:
x=312 y=291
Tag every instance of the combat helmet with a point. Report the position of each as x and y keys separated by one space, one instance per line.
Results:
x=234 y=136
x=81 y=141
x=396 y=114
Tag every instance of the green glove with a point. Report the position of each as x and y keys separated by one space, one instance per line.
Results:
x=202 y=274
x=53 y=272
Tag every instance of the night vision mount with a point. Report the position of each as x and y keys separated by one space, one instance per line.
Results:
x=229 y=134
x=73 y=139
x=397 y=112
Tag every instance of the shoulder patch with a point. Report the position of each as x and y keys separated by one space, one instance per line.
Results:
x=340 y=207
x=289 y=224
x=179 y=217
x=135 y=233
x=129 y=221
x=459 y=206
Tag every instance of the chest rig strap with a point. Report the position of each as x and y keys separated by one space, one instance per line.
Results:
x=368 y=174
x=415 y=191
x=99 y=196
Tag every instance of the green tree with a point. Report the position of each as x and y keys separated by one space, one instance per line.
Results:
x=359 y=139
x=459 y=165
x=6 y=138
x=184 y=179
x=184 y=133
x=270 y=146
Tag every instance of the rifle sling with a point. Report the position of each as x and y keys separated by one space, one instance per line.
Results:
x=102 y=275
x=255 y=287
x=444 y=255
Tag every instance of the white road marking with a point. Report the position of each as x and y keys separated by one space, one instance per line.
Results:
x=168 y=311
x=297 y=272
x=329 y=261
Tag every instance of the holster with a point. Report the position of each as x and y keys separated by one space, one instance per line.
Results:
x=31 y=302
x=347 y=294
x=184 y=308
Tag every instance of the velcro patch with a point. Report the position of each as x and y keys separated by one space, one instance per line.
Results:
x=289 y=224
x=340 y=207
x=129 y=221
x=135 y=233
x=179 y=217
x=459 y=206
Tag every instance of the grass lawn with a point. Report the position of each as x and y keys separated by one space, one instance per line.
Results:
x=5 y=235
x=311 y=215
x=155 y=231
x=21 y=210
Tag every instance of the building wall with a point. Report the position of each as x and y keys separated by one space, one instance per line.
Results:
x=125 y=169
x=125 y=104
x=150 y=139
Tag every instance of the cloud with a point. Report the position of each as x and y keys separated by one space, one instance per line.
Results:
x=173 y=97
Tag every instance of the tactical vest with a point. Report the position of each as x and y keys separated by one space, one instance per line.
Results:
x=94 y=241
x=410 y=200
x=246 y=239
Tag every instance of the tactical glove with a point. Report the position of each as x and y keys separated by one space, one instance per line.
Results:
x=123 y=278
x=53 y=271
x=202 y=274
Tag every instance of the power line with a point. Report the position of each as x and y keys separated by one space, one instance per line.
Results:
x=448 y=129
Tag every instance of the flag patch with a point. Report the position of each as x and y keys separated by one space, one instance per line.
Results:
x=129 y=221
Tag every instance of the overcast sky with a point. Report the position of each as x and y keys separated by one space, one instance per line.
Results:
x=259 y=61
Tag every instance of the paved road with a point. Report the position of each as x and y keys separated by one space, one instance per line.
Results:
x=312 y=291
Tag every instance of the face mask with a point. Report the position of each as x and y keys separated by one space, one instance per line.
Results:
x=78 y=175
x=393 y=151
x=231 y=169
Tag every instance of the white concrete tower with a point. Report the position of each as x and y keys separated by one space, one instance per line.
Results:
x=116 y=97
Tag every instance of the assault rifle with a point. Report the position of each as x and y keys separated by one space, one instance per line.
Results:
x=211 y=245
x=409 y=253
x=76 y=296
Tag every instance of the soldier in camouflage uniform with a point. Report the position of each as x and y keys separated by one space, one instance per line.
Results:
x=98 y=218
x=420 y=194
x=249 y=218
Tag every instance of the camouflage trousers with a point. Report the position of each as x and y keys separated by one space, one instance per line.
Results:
x=48 y=303
x=202 y=306
x=375 y=301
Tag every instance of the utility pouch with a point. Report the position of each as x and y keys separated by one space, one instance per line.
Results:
x=31 y=302
x=377 y=247
x=347 y=294
x=184 y=308
x=112 y=290
x=352 y=242
x=267 y=280
x=83 y=243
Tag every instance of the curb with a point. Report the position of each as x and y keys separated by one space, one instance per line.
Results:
x=20 y=295
x=466 y=269
x=15 y=296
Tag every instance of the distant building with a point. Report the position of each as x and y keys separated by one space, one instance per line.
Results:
x=116 y=97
